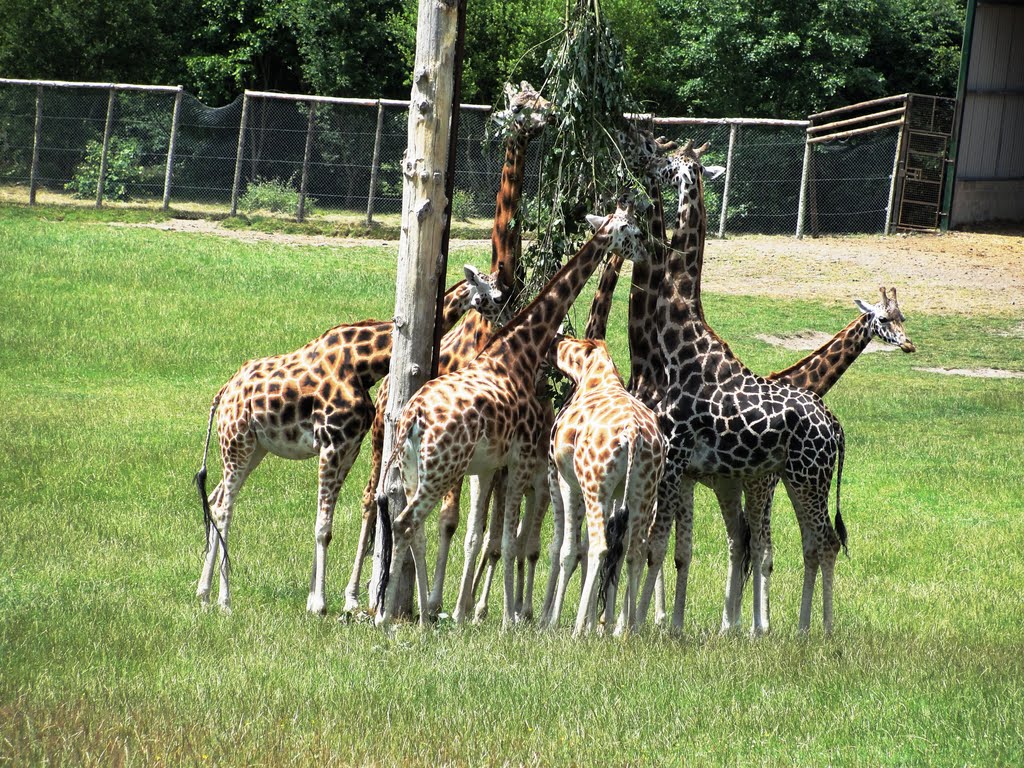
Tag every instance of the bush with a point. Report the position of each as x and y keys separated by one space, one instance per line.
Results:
x=275 y=196
x=464 y=205
x=123 y=170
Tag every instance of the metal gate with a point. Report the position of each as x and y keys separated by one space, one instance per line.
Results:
x=923 y=147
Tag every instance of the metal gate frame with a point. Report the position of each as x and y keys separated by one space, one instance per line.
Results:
x=921 y=160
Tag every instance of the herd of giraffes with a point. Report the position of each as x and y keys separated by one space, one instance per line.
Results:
x=623 y=460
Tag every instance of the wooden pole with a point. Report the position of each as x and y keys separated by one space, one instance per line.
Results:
x=107 y=128
x=375 y=165
x=802 y=205
x=238 y=154
x=423 y=206
x=896 y=162
x=728 y=180
x=33 y=178
x=171 y=143
x=310 y=129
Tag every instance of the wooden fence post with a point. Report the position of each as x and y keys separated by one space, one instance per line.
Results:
x=804 y=175
x=423 y=205
x=238 y=155
x=107 y=128
x=728 y=180
x=171 y=143
x=375 y=165
x=310 y=128
x=33 y=179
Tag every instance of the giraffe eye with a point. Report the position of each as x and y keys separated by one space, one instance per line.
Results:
x=884 y=320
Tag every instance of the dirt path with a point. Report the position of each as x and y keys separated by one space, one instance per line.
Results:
x=958 y=272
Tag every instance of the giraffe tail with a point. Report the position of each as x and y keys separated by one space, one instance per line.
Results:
x=840 y=526
x=200 y=481
x=615 y=532
x=384 y=522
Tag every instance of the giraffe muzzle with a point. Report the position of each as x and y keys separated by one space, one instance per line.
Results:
x=908 y=346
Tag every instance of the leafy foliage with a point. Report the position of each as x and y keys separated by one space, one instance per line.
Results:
x=273 y=195
x=586 y=84
x=123 y=170
x=465 y=205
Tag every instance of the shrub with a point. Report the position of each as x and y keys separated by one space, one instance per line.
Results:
x=464 y=205
x=123 y=170
x=275 y=196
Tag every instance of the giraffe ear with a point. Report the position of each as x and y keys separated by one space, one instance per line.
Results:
x=864 y=307
x=472 y=274
x=712 y=172
x=596 y=222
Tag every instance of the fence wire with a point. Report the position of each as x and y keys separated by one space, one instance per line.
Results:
x=339 y=147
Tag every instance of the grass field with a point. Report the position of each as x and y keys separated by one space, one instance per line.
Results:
x=112 y=344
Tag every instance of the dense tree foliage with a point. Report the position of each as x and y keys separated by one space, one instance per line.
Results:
x=766 y=58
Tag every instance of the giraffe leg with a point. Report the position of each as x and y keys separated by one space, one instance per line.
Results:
x=542 y=498
x=555 y=548
x=368 y=527
x=572 y=508
x=479 y=489
x=657 y=546
x=519 y=476
x=484 y=576
x=660 y=611
x=684 y=550
x=730 y=500
x=522 y=534
x=335 y=463
x=239 y=461
x=819 y=539
x=758 y=502
x=447 y=525
x=597 y=551
x=419 y=556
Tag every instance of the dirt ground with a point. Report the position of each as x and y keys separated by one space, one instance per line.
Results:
x=956 y=272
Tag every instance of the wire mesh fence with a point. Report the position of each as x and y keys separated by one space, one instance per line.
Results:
x=326 y=156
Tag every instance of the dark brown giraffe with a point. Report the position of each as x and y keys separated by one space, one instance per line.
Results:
x=524 y=118
x=725 y=424
x=311 y=402
x=484 y=417
x=817 y=373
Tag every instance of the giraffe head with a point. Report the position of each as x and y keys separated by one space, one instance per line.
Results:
x=684 y=170
x=625 y=236
x=527 y=112
x=487 y=295
x=887 y=320
x=642 y=151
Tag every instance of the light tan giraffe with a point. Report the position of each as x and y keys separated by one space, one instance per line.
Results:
x=314 y=401
x=526 y=115
x=484 y=417
x=607 y=457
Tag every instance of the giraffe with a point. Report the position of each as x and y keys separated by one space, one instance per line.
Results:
x=645 y=155
x=817 y=373
x=607 y=455
x=311 y=402
x=725 y=424
x=526 y=115
x=483 y=417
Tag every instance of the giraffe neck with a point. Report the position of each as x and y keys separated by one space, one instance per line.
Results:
x=821 y=369
x=456 y=304
x=600 y=308
x=644 y=353
x=685 y=261
x=521 y=345
x=505 y=236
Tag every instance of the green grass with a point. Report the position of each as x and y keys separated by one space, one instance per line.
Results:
x=112 y=343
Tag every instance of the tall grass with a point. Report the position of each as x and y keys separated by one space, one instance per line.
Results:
x=112 y=343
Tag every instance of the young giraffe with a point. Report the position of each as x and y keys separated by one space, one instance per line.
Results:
x=607 y=455
x=526 y=116
x=817 y=373
x=311 y=402
x=728 y=425
x=484 y=417
x=645 y=156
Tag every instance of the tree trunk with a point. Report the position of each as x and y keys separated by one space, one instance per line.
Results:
x=423 y=205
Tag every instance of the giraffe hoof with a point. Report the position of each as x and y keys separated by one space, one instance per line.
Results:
x=480 y=615
x=316 y=606
x=225 y=608
x=351 y=604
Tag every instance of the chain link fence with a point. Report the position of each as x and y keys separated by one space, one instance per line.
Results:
x=311 y=156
